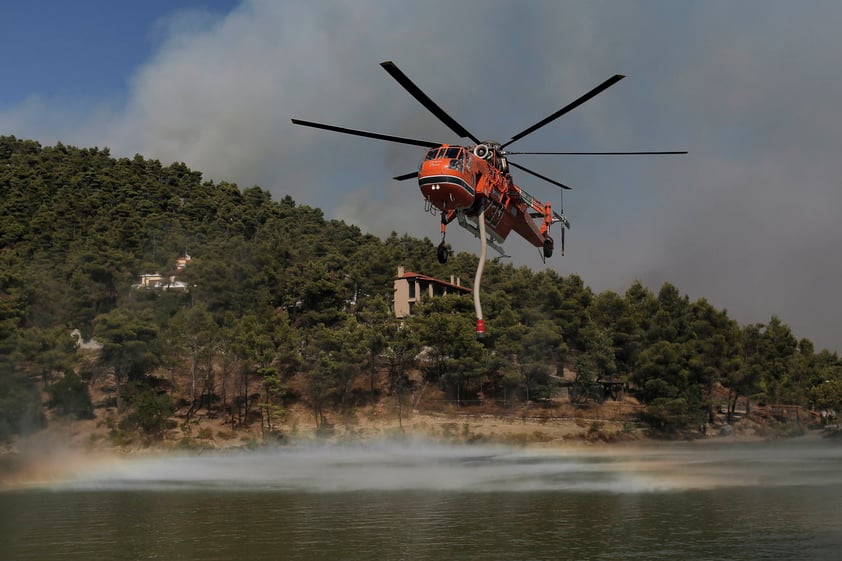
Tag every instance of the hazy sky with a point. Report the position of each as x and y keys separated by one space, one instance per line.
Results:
x=750 y=219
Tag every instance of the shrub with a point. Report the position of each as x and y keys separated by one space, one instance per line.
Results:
x=149 y=413
x=69 y=396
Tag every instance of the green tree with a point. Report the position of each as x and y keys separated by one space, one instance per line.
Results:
x=13 y=293
x=379 y=322
x=149 y=411
x=70 y=397
x=234 y=275
x=20 y=403
x=665 y=386
x=775 y=352
x=280 y=282
x=615 y=315
x=454 y=357
x=272 y=407
x=401 y=351
x=43 y=351
x=593 y=365
x=320 y=385
x=566 y=301
x=346 y=347
x=642 y=307
x=544 y=353
x=193 y=336
x=129 y=339
x=266 y=346
x=507 y=338
x=713 y=349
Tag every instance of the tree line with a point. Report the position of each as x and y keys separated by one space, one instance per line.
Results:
x=285 y=305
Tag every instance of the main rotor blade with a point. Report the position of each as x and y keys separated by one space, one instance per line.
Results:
x=567 y=108
x=538 y=175
x=598 y=153
x=431 y=106
x=406 y=176
x=378 y=136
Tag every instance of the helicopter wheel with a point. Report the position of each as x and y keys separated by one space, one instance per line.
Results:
x=441 y=253
x=548 y=248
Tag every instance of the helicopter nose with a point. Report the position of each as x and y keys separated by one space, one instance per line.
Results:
x=446 y=192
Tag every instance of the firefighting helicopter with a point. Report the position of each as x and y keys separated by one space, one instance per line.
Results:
x=473 y=184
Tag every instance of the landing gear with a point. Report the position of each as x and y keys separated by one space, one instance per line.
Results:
x=548 y=248
x=442 y=253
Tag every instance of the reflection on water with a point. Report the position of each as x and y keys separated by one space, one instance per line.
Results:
x=423 y=501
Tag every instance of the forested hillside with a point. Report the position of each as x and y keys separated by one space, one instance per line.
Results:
x=284 y=306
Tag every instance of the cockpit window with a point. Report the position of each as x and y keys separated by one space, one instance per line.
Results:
x=450 y=153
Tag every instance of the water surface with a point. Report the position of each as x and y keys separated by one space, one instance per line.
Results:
x=433 y=502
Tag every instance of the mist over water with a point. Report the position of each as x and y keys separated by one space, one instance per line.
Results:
x=431 y=501
x=424 y=466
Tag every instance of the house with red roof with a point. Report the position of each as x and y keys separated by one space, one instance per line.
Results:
x=411 y=288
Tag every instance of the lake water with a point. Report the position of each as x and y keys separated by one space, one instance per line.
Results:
x=422 y=501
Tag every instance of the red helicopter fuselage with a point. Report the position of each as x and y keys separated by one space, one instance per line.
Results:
x=471 y=180
x=472 y=184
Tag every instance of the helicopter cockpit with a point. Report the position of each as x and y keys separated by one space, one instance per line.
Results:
x=455 y=154
x=451 y=152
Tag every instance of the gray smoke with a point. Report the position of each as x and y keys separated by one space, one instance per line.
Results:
x=748 y=220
